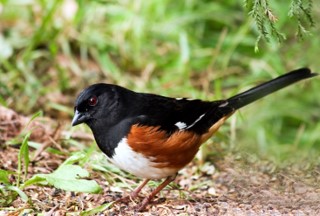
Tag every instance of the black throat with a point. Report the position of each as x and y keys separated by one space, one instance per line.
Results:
x=108 y=137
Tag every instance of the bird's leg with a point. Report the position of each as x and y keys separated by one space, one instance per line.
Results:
x=134 y=193
x=146 y=200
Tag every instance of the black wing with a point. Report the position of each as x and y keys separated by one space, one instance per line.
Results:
x=172 y=114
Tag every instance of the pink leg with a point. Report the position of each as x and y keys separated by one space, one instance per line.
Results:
x=134 y=193
x=146 y=200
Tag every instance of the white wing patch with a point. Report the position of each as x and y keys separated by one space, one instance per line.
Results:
x=198 y=119
x=188 y=99
x=182 y=125
x=224 y=104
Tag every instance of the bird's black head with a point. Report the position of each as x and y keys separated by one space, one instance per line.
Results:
x=97 y=102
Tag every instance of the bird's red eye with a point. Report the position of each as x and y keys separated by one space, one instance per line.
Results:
x=93 y=101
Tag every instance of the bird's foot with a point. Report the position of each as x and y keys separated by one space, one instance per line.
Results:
x=141 y=207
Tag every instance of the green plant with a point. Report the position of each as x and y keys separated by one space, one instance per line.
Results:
x=8 y=190
x=67 y=177
x=265 y=18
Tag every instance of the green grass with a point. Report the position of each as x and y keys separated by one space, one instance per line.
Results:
x=196 y=49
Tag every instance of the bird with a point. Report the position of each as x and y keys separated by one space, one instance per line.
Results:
x=153 y=136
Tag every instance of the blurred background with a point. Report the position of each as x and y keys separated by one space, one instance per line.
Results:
x=51 y=50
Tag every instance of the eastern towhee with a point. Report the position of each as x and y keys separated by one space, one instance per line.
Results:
x=153 y=136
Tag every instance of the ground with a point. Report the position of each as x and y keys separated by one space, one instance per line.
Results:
x=233 y=184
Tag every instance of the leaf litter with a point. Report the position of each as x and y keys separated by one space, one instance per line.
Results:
x=232 y=186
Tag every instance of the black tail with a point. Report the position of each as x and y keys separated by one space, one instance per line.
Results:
x=269 y=87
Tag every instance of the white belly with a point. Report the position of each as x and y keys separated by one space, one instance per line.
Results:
x=135 y=163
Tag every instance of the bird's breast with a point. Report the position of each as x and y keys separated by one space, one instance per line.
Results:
x=138 y=164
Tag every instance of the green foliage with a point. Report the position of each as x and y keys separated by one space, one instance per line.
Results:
x=23 y=157
x=67 y=177
x=265 y=18
x=302 y=12
x=97 y=210
x=8 y=191
x=4 y=176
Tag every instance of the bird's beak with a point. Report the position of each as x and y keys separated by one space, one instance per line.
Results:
x=78 y=118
